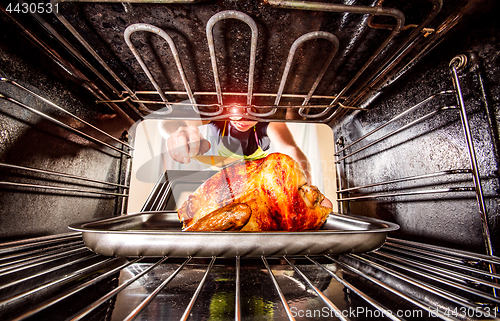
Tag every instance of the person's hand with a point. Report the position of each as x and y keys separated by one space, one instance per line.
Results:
x=326 y=203
x=186 y=142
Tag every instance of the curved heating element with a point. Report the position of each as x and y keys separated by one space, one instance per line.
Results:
x=149 y=28
x=234 y=14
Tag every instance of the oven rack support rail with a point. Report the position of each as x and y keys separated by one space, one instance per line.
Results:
x=401 y=280
x=93 y=187
x=261 y=113
x=341 y=154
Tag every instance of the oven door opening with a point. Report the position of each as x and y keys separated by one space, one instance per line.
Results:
x=153 y=167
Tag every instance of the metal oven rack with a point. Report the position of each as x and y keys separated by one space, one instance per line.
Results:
x=93 y=187
x=56 y=278
x=345 y=194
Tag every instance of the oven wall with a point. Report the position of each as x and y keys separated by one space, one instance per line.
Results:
x=31 y=141
x=434 y=145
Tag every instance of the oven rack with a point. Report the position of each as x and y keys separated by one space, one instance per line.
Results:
x=41 y=276
x=256 y=112
x=93 y=187
x=341 y=155
x=60 y=123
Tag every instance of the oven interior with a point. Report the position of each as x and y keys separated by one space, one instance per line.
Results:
x=409 y=92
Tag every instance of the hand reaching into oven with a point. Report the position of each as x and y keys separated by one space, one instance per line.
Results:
x=185 y=142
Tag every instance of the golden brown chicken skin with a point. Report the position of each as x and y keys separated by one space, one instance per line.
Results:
x=275 y=190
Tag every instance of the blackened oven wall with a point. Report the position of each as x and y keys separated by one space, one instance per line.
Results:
x=434 y=145
x=28 y=140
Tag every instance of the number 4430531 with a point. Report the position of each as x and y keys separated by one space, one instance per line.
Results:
x=32 y=8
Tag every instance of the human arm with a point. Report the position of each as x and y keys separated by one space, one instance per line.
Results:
x=281 y=136
x=183 y=139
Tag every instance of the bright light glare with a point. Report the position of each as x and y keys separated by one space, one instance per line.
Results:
x=236 y=110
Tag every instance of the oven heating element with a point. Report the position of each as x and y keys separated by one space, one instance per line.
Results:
x=328 y=111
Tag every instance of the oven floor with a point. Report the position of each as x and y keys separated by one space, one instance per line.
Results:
x=58 y=278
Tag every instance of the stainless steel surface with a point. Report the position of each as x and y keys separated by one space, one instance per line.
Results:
x=160 y=234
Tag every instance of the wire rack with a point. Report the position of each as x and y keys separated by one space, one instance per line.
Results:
x=403 y=280
x=347 y=194
x=94 y=187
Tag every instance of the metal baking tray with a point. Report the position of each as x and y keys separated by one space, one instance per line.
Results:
x=160 y=234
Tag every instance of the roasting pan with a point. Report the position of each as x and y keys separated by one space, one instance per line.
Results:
x=160 y=234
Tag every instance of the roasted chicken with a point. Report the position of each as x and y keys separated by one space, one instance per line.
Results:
x=269 y=194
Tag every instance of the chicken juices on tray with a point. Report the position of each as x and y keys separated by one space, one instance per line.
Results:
x=269 y=194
